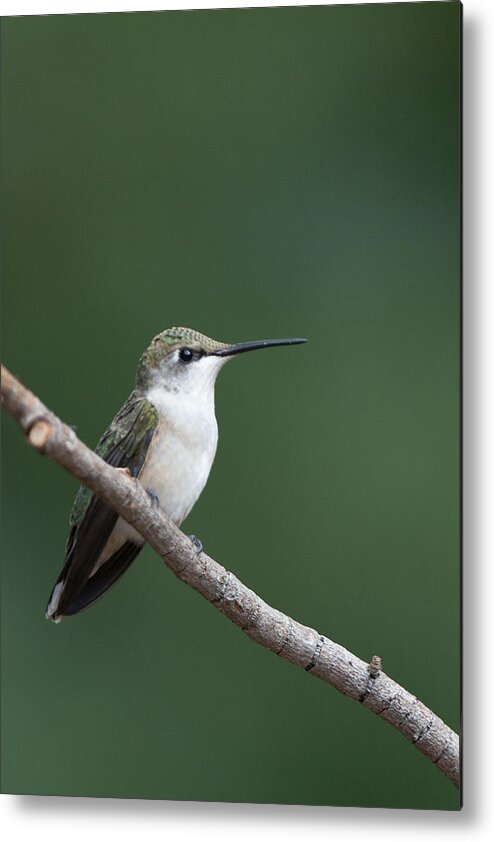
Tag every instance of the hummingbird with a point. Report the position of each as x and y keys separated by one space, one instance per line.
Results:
x=165 y=435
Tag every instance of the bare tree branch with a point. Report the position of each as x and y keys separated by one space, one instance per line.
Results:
x=299 y=644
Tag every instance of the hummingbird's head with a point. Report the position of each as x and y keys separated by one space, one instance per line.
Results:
x=183 y=360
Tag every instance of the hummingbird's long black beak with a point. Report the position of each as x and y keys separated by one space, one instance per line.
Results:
x=241 y=347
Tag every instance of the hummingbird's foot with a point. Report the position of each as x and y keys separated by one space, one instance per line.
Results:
x=197 y=543
x=125 y=472
x=155 y=500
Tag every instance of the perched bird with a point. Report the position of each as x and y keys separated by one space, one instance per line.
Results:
x=165 y=435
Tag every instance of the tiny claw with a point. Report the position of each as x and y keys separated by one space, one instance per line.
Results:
x=197 y=543
x=155 y=500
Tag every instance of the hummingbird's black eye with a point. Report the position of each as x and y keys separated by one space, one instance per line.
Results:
x=185 y=355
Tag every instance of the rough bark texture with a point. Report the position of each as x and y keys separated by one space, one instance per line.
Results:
x=301 y=645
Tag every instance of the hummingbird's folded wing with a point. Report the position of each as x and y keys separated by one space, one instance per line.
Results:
x=123 y=445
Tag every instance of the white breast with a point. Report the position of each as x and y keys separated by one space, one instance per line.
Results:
x=182 y=451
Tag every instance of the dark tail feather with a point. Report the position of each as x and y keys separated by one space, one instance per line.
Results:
x=98 y=584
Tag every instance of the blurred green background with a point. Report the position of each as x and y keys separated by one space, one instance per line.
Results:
x=249 y=173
